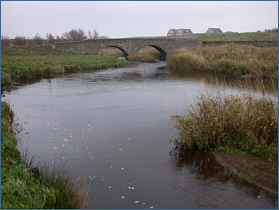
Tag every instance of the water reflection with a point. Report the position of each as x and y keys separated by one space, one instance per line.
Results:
x=201 y=162
x=205 y=166
x=256 y=84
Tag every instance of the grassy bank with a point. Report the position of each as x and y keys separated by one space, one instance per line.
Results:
x=239 y=123
x=238 y=60
x=43 y=188
x=249 y=36
x=41 y=61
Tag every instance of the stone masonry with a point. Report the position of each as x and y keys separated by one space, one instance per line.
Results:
x=128 y=46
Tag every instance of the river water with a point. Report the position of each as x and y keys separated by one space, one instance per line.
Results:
x=112 y=127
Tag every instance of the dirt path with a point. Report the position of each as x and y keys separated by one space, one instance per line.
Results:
x=257 y=170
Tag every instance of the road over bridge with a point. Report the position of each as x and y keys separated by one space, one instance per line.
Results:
x=129 y=46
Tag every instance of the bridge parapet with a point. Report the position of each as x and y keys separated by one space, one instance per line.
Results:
x=129 y=46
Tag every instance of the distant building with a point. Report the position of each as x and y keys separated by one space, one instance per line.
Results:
x=177 y=32
x=214 y=31
x=184 y=32
x=172 y=32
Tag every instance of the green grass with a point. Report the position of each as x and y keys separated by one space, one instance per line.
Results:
x=41 y=61
x=229 y=59
x=249 y=36
x=232 y=123
x=21 y=189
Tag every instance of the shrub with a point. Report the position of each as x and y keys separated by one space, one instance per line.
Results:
x=38 y=40
x=5 y=40
x=20 y=41
x=240 y=122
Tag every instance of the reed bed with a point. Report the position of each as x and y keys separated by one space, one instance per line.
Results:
x=230 y=59
x=240 y=123
x=44 y=188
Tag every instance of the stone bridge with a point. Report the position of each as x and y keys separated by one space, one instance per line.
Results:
x=129 y=46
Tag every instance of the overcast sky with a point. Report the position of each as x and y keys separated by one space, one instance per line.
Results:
x=118 y=19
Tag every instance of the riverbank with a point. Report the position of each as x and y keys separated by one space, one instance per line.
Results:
x=243 y=132
x=256 y=170
x=24 y=187
x=230 y=59
x=43 y=61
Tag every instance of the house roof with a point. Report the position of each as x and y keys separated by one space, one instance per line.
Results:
x=174 y=30
x=216 y=30
x=186 y=31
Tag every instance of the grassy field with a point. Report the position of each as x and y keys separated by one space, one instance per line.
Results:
x=40 y=61
x=41 y=189
x=249 y=36
x=230 y=59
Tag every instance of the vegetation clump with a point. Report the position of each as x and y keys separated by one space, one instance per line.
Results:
x=43 y=189
x=146 y=54
x=239 y=123
x=230 y=59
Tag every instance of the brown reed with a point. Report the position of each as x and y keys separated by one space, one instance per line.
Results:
x=230 y=59
x=240 y=122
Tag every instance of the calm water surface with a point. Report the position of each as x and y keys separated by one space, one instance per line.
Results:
x=112 y=127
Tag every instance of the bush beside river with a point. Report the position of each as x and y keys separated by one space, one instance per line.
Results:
x=242 y=125
x=41 y=61
x=23 y=187
x=231 y=59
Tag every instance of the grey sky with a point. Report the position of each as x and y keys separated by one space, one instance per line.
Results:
x=136 y=18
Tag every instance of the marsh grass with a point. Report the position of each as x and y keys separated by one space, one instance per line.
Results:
x=47 y=187
x=230 y=59
x=240 y=123
x=28 y=62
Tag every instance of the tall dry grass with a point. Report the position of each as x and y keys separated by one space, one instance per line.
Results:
x=230 y=59
x=112 y=51
x=239 y=122
x=146 y=54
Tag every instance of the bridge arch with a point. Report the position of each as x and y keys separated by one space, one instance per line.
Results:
x=163 y=52
x=113 y=46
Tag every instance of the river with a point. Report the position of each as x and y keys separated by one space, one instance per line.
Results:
x=112 y=127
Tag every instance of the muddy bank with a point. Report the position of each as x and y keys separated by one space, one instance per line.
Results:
x=257 y=170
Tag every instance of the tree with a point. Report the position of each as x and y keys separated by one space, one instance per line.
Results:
x=5 y=40
x=93 y=35
x=103 y=37
x=50 y=39
x=38 y=40
x=75 y=35
x=20 y=41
